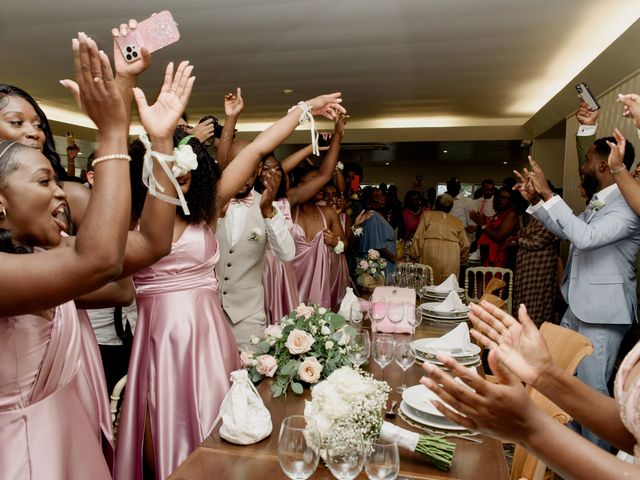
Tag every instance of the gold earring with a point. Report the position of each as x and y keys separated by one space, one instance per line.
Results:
x=3 y=213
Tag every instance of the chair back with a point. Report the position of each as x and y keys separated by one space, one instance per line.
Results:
x=115 y=406
x=477 y=278
x=567 y=349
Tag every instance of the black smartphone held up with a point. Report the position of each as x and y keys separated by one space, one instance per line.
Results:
x=587 y=96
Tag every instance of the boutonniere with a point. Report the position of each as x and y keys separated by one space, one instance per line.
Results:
x=256 y=235
x=597 y=205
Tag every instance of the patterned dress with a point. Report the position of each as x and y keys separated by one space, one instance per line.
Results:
x=536 y=272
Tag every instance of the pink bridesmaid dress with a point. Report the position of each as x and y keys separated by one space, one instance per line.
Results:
x=49 y=420
x=628 y=399
x=279 y=278
x=183 y=354
x=317 y=268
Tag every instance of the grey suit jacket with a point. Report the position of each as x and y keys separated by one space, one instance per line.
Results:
x=599 y=281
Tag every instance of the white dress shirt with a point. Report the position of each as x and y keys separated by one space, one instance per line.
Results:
x=461 y=208
x=278 y=236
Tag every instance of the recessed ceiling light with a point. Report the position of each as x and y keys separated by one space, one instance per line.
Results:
x=386 y=163
x=504 y=163
x=445 y=151
x=287 y=91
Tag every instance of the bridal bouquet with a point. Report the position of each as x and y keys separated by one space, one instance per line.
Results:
x=304 y=348
x=373 y=265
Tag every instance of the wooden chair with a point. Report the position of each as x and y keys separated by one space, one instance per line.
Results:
x=567 y=349
x=115 y=405
x=477 y=278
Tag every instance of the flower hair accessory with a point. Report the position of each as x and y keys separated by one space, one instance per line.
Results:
x=150 y=181
x=306 y=118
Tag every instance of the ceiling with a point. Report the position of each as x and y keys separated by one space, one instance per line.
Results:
x=409 y=70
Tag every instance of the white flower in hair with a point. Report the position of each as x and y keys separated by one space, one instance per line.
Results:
x=185 y=158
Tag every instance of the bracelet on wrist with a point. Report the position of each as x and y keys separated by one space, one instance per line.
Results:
x=113 y=156
x=618 y=170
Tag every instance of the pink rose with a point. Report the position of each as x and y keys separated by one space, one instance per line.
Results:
x=304 y=311
x=273 y=331
x=266 y=365
x=373 y=254
x=299 y=341
x=247 y=359
x=309 y=370
x=364 y=264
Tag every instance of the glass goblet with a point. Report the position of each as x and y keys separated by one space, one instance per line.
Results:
x=383 y=348
x=377 y=311
x=345 y=456
x=383 y=462
x=405 y=357
x=360 y=348
x=298 y=447
x=395 y=313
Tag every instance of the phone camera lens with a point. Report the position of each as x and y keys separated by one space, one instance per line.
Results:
x=135 y=54
x=128 y=49
x=128 y=57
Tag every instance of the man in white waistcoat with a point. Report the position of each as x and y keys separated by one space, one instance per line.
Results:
x=250 y=222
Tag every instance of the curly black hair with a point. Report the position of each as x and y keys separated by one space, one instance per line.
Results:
x=201 y=196
x=49 y=149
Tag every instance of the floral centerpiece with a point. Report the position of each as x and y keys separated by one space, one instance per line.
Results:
x=371 y=269
x=305 y=347
x=348 y=407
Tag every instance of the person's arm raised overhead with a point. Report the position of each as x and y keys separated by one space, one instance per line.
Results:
x=233 y=106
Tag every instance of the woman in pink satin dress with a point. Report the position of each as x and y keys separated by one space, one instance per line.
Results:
x=49 y=425
x=183 y=350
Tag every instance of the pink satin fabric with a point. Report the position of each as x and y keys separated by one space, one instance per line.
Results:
x=279 y=278
x=340 y=279
x=183 y=354
x=48 y=416
x=629 y=400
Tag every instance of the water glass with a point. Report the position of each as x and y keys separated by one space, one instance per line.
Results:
x=345 y=457
x=413 y=317
x=404 y=358
x=377 y=310
x=298 y=447
x=360 y=348
x=395 y=313
x=355 y=316
x=383 y=348
x=383 y=462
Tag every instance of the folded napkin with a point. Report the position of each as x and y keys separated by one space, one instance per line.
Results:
x=451 y=304
x=458 y=338
x=451 y=283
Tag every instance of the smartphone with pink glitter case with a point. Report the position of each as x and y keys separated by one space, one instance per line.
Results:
x=154 y=33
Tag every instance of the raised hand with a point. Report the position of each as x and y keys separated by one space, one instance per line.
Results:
x=585 y=115
x=95 y=88
x=161 y=118
x=233 y=103
x=362 y=217
x=517 y=344
x=616 y=155
x=327 y=105
x=204 y=131
x=631 y=104
x=538 y=179
x=271 y=184
x=502 y=410
x=526 y=188
x=341 y=123
x=124 y=68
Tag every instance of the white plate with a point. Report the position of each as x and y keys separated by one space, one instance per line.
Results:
x=440 y=423
x=432 y=289
x=430 y=307
x=419 y=397
x=422 y=345
x=465 y=363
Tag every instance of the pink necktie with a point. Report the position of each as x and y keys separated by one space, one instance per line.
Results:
x=482 y=205
x=247 y=201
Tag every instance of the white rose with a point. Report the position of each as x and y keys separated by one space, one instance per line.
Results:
x=325 y=330
x=322 y=310
x=299 y=342
x=304 y=311
x=184 y=160
x=310 y=370
x=373 y=270
x=273 y=331
x=344 y=338
x=314 y=330
x=254 y=340
x=328 y=345
x=266 y=365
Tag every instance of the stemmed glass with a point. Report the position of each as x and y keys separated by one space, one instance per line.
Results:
x=355 y=316
x=360 y=348
x=383 y=347
x=383 y=462
x=298 y=447
x=404 y=358
x=345 y=457
x=377 y=311
x=414 y=318
x=395 y=313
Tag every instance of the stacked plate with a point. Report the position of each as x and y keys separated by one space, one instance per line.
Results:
x=416 y=405
x=468 y=356
x=432 y=294
x=429 y=312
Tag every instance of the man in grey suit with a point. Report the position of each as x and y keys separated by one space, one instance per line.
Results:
x=599 y=282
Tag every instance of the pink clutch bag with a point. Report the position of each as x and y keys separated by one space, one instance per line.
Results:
x=395 y=296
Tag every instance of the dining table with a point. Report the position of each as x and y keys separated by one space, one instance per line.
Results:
x=476 y=457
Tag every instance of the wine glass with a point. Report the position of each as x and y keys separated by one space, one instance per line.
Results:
x=345 y=456
x=360 y=348
x=298 y=444
x=404 y=358
x=383 y=347
x=355 y=315
x=413 y=317
x=395 y=313
x=383 y=462
x=377 y=310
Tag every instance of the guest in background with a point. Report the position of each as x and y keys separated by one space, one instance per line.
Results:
x=393 y=207
x=430 y=200
x=497 y=231
x=440 y=240
x=484 y=204
x=377 y=233
x=462 y=207
x=411 y=214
